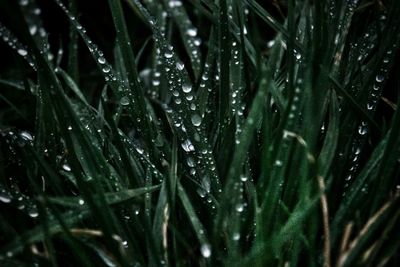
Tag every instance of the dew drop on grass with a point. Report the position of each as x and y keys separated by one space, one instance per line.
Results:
x=124 y=101
x=5 y=197
x=236 y=236
x=191 y=32
x=362 y=130
x=22 y=52
x=190 y=162
x=243 y=178
x=139 y=150
x=32 y=30
x=101 y=60
x=239 y=207
x=196 y=120
x=33 y=213
x=187 y=146
x=66 y=167
x=106 y=69
x=180 y=66
x=379 y=78
x=205 y=250
x=186 y=88
x=168 y=54
x=26 y=136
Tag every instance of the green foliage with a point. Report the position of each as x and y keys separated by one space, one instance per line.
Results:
x=200 y=133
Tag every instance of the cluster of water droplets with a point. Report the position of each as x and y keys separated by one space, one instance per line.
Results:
x=379 y=81
x=107 y=71
x=20 y=201
x=13 y=42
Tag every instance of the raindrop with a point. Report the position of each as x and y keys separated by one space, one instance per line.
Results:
x=32 y=29
x=243 y=178
x=106 y=69
x=362 y=130
x=190 y=162
x=236 y=236
x=180 y=66
x=191 y=32
x=139 y=150
x=168 y=54
x=187 y=146
x=81 y=201
x=196 y=120
x=278 y=163
x=22 y=52
x=197 y=42
x=26 y=136
x=206 y=183
x=66 y=167
x=205 y=250
x=69 y=128
x=186 y=88
x=101 y=60
x=124 y=101
x=5 y=197
x=33 y=213
x=239 y=207
x=379 y=78
x=156 y=82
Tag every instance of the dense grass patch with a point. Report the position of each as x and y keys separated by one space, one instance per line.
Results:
x=199 y=133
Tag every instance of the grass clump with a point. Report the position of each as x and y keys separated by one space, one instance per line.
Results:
x=199 y=133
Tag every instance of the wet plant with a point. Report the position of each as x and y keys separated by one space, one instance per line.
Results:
x=199 y=133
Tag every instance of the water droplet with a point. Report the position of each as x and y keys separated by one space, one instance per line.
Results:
x=5 y=197
x=66 y=167
x=124 y=101
x=243 y=178
x=278 y=163
x=139 y=150
x=362 y=130
x=239 y=207
x=196 y=120
x=106 y=69
x=379 y=78
x=81 y=201
x=187 y=146
x=101 y=60
x=186 y=88
x=190 y=162
x=174 y=3
x=32 y=30
x=33 y=213
x=180 y=66
x=236 y=236
x=191 y=32
x=156 y=82
x=206 y=183
x=22 y=52
x=26 y=136
x=168 y=54
x=205 y=250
